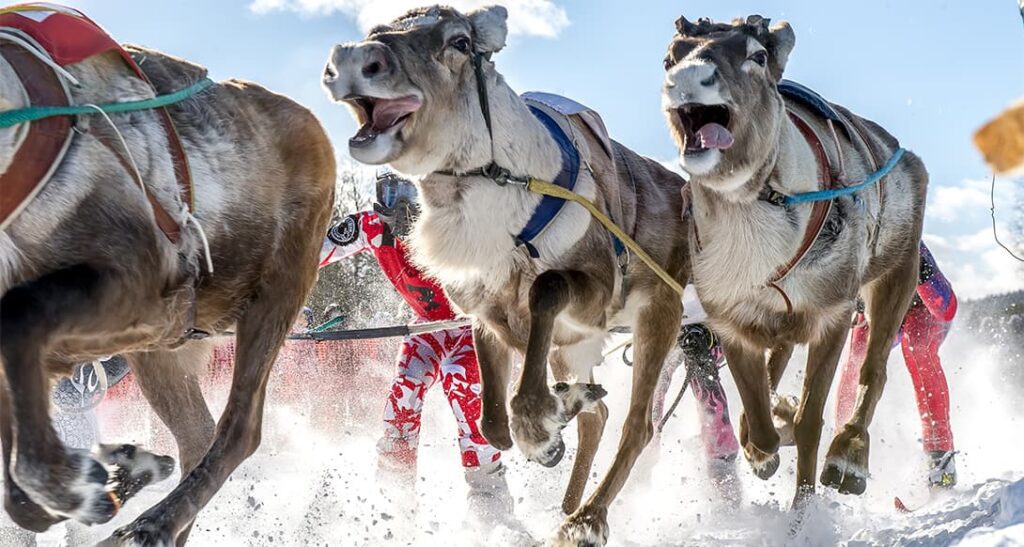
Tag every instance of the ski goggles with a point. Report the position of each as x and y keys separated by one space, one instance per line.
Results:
x=391 y=190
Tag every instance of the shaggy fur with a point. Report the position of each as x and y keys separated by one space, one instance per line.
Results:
x=744 y=240
x=567 y=298
x=85 y=272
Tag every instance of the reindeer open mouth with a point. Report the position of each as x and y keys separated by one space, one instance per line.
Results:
x=704 y=127
x=380 y=116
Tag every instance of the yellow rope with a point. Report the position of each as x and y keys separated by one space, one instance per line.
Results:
x=31 y=7
x=548 y=189
x=627 y=342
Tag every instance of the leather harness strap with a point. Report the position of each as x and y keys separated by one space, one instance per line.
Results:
x=820 y=210
x=179 y=162
x=182 y=172
x=46 y=139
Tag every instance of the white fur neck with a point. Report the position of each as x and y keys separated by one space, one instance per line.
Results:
x=735 y=223
x=466 y=232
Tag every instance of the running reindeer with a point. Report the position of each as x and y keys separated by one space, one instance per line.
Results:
x=106 y=259
x=431 y=103
x=772 y=271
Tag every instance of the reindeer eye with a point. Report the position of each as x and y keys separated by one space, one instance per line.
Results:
x=760 y=57
x=460 y=43
x=668 y=63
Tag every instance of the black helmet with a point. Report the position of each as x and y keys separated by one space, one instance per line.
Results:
x=396 y=202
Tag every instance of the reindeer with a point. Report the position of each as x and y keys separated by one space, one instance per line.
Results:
x=772 y=273
x=431 y=104
x=86 y=271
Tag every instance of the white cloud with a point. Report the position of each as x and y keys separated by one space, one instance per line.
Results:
x=966 y=249
x=975 y=265
x=525 y=17
x=968 y=199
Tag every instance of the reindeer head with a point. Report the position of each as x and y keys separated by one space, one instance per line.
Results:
x=412 y=86
x=720 y=96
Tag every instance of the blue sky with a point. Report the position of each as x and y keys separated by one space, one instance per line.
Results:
x=930 y=72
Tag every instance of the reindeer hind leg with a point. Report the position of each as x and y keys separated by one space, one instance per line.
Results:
x=170 y=382
x=887 y=299
x=79 y=300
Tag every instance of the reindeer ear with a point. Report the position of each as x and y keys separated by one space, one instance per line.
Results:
x=684 y=26
x=760 y=22
x=490 y=27
x=781 y=40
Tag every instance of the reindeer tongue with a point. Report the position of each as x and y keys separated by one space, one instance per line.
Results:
x=386 y=112
x=713 y=135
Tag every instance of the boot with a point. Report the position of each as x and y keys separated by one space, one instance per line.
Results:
x=942 y=472
x=488 y=500
x=723 y=475
x=396 y=476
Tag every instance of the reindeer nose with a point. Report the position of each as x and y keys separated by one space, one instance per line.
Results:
x=369 y=61
x=710 y=79
x=330 y=73
x=376 y=62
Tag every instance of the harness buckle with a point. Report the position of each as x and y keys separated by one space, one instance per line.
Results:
x=196 y=334
x=774 y=197
x=501 y=176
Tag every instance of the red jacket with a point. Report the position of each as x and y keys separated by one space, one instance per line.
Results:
x=364 y=231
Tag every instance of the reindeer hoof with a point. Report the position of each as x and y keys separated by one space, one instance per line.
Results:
x=587 y=527
x=553 y=455
x=86 y=497
x=846 y=465
x=784 y=417
x=844 y=477
x=763 y=464
x=143 y=532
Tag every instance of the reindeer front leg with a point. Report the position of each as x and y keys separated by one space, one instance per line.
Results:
x=538 y=416
x=758 y=436
x=493 y=357
x=654 y=333
x=822 y=359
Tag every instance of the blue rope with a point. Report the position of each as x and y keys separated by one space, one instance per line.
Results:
x=825 y=195
x=11 y=118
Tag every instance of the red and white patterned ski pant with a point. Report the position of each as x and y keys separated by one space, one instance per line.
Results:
x=921 y=336
x=447 y=357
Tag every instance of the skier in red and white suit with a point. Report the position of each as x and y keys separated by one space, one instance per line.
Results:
x=924 y=328
x=445 y=356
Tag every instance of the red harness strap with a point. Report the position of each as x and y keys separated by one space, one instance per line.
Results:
x=46 y=138
x=820 y=210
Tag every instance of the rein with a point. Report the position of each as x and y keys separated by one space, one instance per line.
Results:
x=503 y=177
x=11 y=118
x=833 y=193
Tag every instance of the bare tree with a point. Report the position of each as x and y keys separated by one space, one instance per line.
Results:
x=364 y=295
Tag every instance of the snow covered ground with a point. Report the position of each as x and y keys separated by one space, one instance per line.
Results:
x=312 y=483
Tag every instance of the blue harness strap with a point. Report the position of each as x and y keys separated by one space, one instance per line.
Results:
x=806 y=96
x=801 y=94
x=549 y=206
